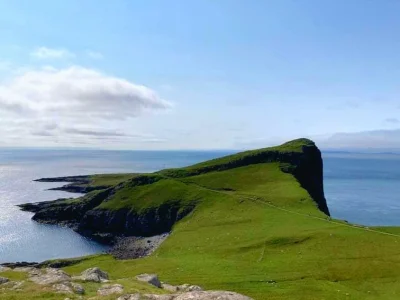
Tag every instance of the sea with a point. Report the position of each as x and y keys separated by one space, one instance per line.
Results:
x=360 y=188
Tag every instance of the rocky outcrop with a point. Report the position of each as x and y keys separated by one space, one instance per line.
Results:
x=307 y=167
x=65 y=211
x=59 y=281
x=49 y=276
x=77 y=184
x=94 y=275
x=62 y=283
x=110 y=289
x=150 y=279
x=68 y=288
x=3 y=280
x=153 y=221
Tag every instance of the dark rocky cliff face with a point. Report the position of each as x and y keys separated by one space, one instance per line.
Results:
x=307 y=167
x=104 y=225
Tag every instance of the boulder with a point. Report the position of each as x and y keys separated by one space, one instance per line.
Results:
x=13 y=285
x=188 y=288
x=62 y=288
x=93 y=274
x=77 y=288
x=110 y=289
x=149 y=278
x=68 y=288
x=50 y=276
x=169 y=287
x=3 y=280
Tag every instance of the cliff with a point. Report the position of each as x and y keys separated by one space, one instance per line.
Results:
x=150 y=204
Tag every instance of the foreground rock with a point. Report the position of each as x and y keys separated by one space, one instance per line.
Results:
x=3 y=280
x=180 y=288
x=94 y=275
x=13 y=285
x=149 y=278
x=50 y=276
x=68 y=288
x=110 y=289
x=198 y=295
x=188 y=288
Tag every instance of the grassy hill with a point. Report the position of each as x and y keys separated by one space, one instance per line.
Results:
x=255 y=223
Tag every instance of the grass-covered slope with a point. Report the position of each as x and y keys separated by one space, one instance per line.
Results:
x=149 y=204
x=247 y=223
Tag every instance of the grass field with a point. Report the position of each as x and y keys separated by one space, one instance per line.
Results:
x=256 y=231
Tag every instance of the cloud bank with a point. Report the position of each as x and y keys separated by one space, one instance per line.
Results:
x=74 y=104
x=374 y=139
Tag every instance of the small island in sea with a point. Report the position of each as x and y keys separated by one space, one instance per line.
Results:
x=250 y=225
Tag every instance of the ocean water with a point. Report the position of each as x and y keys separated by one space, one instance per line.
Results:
x=363 y=188
x=22 y=239
x=360 y=188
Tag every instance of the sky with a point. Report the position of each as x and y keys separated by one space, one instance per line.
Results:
x=201 y=74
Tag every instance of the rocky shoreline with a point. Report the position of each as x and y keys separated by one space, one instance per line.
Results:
x=123 y=247
x=136 y=247
x=76 y=184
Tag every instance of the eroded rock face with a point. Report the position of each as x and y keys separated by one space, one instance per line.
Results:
x=149 y=278
x=94 y=275
x=197 y=295
x=110 y=289
x=49 y=276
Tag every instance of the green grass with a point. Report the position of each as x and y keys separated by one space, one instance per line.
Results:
x=256 y=231
x=109 y=179
x=30 y=290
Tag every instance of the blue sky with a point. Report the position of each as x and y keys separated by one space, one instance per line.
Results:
x=199 y=74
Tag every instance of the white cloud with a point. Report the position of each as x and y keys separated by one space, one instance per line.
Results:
x=75 y=104
x=51 y=53
x=374 y=139
x=94 y=54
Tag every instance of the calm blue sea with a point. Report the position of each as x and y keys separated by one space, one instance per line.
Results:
x=360 y=188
